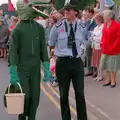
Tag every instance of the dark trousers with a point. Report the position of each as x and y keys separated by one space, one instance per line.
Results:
x=88 y=58
x=67 y=70
x=30 y=82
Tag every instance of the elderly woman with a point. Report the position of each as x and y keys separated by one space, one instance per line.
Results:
x=96 y=51
x=110 y=47
x=3 y=39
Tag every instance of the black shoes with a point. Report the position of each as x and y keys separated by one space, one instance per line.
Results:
x=1 y=56
x=89 y=74
x=112 y=86
x=106 y=84
x=109 y=84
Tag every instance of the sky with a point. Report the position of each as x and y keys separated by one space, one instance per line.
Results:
x=6 y=1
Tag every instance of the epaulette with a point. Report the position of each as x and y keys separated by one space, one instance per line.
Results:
x=58 y=24
x=83 y=25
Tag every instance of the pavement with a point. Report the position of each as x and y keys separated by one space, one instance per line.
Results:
x=102 y=103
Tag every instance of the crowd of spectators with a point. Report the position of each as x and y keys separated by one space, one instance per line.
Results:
x=7 y=23
x=96 y=58
x=101 y=48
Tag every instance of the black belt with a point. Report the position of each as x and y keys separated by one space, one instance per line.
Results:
x=69 y=57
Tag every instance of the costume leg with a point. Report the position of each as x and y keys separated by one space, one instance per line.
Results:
x=78 y=84
x=34 y=92
x=63 y=76
x=22 y=117
x=24 y=81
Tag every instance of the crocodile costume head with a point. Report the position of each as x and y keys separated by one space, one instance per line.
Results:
x=29 y=9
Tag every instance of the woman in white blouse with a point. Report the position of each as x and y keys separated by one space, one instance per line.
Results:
x=96 y=52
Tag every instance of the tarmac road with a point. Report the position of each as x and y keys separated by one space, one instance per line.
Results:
x=102 y=103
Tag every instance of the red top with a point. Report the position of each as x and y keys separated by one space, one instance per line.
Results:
x=110 y=42
x=11 y=27
x=10 y=7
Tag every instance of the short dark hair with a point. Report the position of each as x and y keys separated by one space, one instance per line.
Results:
x=79 y=14
x=61 y=11
x=90 y=9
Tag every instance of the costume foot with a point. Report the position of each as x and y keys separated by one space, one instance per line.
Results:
x=22 y=117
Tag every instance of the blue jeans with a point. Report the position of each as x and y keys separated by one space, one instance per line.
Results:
x=51 y=79
x=10 y=14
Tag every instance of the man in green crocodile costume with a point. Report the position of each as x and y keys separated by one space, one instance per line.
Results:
x=27 y=51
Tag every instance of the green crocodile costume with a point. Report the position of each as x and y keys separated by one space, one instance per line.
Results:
x=27 y=51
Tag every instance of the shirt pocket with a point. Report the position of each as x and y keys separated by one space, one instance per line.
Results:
x=78 y=40
x=62 y=40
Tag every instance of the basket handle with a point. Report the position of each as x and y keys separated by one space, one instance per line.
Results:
x=18 y=85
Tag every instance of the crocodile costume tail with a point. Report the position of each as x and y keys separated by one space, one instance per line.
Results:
x=29 y=9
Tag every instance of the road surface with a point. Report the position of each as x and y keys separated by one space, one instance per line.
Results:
x=102 y=103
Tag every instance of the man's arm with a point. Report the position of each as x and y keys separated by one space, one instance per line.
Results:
x=13 y=56
x=13 y=48
x=53 y=37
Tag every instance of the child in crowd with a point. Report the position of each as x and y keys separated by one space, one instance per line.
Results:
x=52 y=69
x=10 y=9
x=49 y=24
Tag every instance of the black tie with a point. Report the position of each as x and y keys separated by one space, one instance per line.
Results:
x=74 y=48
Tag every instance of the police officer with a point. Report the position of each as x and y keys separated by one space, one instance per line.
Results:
x=67 y=37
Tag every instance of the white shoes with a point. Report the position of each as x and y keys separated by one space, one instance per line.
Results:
x=55 y=84
x=98 y=79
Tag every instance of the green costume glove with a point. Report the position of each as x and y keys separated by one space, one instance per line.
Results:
x=13 y=74
x=46 y=67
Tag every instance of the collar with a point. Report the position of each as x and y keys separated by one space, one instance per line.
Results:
x=74 y=22
x=67 y=25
